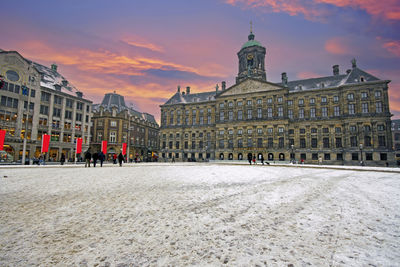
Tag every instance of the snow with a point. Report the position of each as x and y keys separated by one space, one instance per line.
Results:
x=199 y=214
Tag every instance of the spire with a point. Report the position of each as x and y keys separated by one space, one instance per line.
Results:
x=251 y=35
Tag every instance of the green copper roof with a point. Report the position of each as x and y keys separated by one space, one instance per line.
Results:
x=251 y=43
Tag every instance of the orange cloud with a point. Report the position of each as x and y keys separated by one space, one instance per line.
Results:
x=338 y=46
x=388 y=9
x=146 y=45
x=307 y=75
x=393 y=47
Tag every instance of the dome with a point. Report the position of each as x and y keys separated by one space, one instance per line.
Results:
x=251 y=41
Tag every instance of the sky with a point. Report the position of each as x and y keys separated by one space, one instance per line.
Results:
x=144 y=49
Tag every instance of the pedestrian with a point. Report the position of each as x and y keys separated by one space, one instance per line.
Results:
x=320 y=160
x=42 y=159
x=62 y=159
x=173 y=159
x=254 y=159
x=249 y=157
x=115 y=158
x=120 y=159
x=262 y=159
x=88 y=157
x=101 y=158
x=95 y=157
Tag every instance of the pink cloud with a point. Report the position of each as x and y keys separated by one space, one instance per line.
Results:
x=393 y=47
x=307 y=75
x=338 y=46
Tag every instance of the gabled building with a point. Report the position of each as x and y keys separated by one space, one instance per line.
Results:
x=116 y=123
x=37 y=100
x=340 y=119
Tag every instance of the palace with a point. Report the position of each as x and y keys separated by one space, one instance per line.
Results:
x=341 y=119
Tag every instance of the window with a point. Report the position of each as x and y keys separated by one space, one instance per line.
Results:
x=44 y=110
x=335 y=99
x=240 y=103
x=351 y=109
x=240 y=132
x=368 y=156
x=280 y=111
x=378 y=94
x=314 y=142
x=45 y=97
x=249 y=102
x=301 y=113
x=113 y=137
x=325 y=142
x=290 y=102
x=291 y=131
x=113 y=123
x=12 y=76
x=324 y=100
x=280 y=130
x=338 y=142
x=313 y=130
x=193 y=145
x=383 y=156
x=31 y=105
x=269 y=113
x=240 y=114
x=69 y=103
x=249 y=142
x=314 y=156
x=303 y=142
x=270 y=142
x=336 y=111
x=312 y=100
x=270 y=130
x=240 y=143
x=339 y=156
x=230 y=115
x=269 y=100
x=290 y=113
x=378 y=107
x=353 y=128
x=281 y=142
x=79 y=106
x=259 y=142
x=208 y=119
x=58 y=100
x=259 y=113
x=353 y=141
x=259 y=101
x=367 y=128
x=364 y=108
x=327 y=156
x=56 y=112
x=381 y=127
x=260 y=131
x=324 y=111
x=221 y=132
x=312 y=112
x=230 y=104
x=367 y=141
x=249 y=114
x=302 y=131
x=221 y=105
x=364 y=95
x=221 y=116
x=301 y=102
x=350 y=97
x=78 y=117
x=230 y=132
x=325 y=130
x=354 y=156
x=382 y=141
x=338 y=130
x=280 y=99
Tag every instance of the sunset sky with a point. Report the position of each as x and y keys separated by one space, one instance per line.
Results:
x=144 y=49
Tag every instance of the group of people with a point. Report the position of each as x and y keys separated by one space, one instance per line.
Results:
x=101 y=157
x=252 y=159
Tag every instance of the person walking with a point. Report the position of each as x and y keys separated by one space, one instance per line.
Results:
x=88 y=157
x=249 y=157
x=173 y=159
x=95 y=157
x=62 y=159
x=262 y=159
x=101 y=158
x=115 y=158
x=120 y=159
x=254 y=159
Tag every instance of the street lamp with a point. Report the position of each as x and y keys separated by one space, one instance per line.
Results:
x=27 y=91
x=292 y=155
x=362 y=161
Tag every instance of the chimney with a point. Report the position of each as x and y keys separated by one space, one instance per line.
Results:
x=187 y=90
x=223 y=85
x=348 y=71
x=79 y=94
x=335 y=70
x=179 y=88
x=284 y=79
x=216 y=88
x=54 y=67
x=64 y=83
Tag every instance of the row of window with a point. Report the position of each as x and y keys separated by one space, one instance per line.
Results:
x=14 y=88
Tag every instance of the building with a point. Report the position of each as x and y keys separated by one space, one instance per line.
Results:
x=341 y=119
x=396 y=139
x=38 y=100
x=117 y=123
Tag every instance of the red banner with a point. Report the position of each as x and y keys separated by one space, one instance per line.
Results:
x=2 y=137
x=104 y=147
x=78 y=145
x=45 y=143
x=123 y=148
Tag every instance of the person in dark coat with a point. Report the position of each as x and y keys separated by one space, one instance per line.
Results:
x=120 y=159
x=254 y=160
x=88 y=157
x=95 y=157
x=249 y=157
x=114 y=158
x=101 y=158
x=262 y=159
x=62 y=159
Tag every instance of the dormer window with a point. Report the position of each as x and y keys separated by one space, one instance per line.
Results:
x=362 y=79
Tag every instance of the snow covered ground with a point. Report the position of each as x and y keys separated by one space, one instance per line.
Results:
x=198 y=214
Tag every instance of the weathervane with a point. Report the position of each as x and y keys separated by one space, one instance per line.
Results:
x=251 y=26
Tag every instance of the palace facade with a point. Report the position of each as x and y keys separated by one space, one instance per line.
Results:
x=117 y=123
x=341 y=119
x=37 y=100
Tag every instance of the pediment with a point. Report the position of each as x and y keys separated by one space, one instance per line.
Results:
x=250 y=86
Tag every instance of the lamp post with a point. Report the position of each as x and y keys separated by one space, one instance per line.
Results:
x=292 y=155
x=25 y=89
x=362 y=160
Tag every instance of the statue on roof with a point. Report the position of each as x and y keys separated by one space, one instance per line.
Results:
x=354 y=63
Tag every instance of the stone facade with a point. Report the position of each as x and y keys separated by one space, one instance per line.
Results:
x=55 y=106
x=396 y=139
x=116 y=123
x=340 y=119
